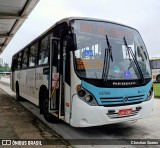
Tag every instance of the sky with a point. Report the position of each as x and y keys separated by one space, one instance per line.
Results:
x=144 y=15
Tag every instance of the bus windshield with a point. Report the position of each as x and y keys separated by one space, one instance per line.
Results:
x=91 y=46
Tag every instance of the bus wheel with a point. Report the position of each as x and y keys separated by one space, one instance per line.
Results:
x=45 y=104
x=18 y=97
x=158 y=78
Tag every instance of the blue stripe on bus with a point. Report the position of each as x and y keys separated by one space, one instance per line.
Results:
x=115 y=96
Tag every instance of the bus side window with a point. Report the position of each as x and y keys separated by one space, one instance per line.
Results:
x=158 y=64
x=25 y=58
x=33 y=55
x=19 y=61
x=154 y=64
x=14 y=64
x=150 y=62
x=44 y=51
x=55 y=60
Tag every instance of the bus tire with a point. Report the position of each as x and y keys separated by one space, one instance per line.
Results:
x=18 y=97
x=44 y=107
x=158 y=78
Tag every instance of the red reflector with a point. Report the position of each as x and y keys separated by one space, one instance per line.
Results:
x=67 y=104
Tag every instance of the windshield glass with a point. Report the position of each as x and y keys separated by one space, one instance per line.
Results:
x=91 y=45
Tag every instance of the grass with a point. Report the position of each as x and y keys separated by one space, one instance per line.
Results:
x=156 y=90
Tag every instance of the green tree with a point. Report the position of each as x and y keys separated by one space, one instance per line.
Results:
x=1 y=68
x=5 y=68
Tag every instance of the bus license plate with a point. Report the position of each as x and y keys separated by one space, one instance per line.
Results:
x=125 y=112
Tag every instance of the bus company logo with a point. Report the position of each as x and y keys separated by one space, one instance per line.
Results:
x=125 y=99
x=6 y=142
x=124 y=83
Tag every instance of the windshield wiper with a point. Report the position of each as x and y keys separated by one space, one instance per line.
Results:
x=107 y=57
x=130 y=52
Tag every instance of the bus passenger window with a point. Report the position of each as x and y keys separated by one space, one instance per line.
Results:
x=14 y=63
x=19 y=60
x=157 y=64
x=43 y=58
x=33 y=55
x=25 y=58
x=44 y=51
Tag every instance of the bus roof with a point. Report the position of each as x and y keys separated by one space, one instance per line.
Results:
x=67 y=20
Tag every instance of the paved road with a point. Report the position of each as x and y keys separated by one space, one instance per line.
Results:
x=18 y=124
x=148 y=128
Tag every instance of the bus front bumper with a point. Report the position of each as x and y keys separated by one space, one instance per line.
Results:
x=84 y=115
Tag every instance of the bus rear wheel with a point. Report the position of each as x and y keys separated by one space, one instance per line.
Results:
x=158 y=78
x=45 y=106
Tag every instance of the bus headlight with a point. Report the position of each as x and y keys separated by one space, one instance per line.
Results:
x=86 y=96
x=150 y=94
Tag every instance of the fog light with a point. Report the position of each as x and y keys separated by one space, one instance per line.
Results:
x=81 y=93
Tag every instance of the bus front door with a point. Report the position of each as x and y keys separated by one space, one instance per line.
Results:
x=59 y=90
x=54 y=80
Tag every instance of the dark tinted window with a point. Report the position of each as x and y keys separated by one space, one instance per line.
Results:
x=14 y=63
x=19 y=60
x=33 y=55
x=155 y=64
x=25 y=58
x=44 y=50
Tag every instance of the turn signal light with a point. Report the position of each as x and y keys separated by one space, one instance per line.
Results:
x=78 y=87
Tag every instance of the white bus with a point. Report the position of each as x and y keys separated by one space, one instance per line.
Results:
x=86 y=72
x=155 y=66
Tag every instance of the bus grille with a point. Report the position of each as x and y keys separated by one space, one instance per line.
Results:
x=119 y=101
x=116 y=115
